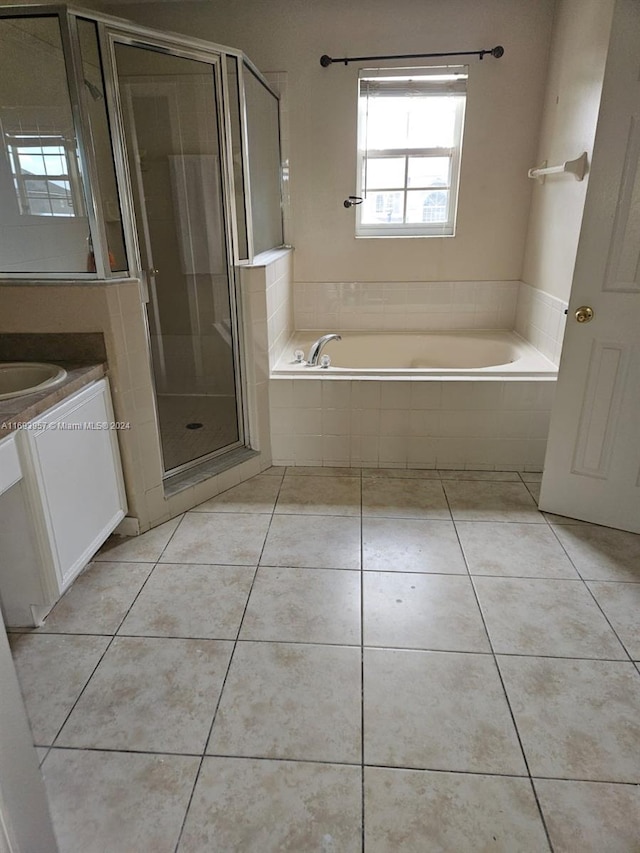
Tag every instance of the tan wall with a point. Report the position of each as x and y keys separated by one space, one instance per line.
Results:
x=501 y=133
x=572 y=101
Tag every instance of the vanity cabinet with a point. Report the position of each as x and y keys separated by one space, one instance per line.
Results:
x=72 y=496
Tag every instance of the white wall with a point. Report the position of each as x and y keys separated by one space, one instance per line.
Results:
x=503 y=114
x=572 y=101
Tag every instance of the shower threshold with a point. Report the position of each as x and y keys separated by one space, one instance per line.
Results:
x=175 y=483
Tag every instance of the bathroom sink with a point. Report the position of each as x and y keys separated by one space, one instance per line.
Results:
x=18 y=378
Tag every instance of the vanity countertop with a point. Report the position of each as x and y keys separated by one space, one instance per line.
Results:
x=20 y=410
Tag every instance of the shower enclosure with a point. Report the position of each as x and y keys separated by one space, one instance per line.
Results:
x=129 y=152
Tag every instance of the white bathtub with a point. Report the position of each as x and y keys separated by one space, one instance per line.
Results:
x=471 y=354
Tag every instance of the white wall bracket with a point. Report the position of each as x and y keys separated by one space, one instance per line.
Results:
x=577 y=168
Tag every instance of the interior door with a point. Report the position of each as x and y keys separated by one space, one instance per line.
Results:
x=592 y=467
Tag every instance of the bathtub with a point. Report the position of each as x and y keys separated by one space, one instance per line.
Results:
x=433 y=355
x=475 y=400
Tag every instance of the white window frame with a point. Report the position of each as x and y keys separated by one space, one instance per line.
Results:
x=439 y=81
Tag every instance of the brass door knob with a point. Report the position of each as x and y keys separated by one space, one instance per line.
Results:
x=584 y=314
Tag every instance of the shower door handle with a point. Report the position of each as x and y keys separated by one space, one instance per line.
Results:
x=144 y=282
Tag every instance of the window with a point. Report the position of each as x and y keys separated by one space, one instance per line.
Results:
x=43 y=177
x=409 y=144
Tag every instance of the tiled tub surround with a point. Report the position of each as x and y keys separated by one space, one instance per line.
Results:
x=433 y=306
x=199 y=687
x=481 y=424
x=541 y=319
x=269 y=300
x=405 y=306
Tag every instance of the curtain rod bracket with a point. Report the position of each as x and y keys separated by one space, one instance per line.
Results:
x=496 y=52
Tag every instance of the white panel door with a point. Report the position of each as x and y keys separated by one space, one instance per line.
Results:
x=592 y=467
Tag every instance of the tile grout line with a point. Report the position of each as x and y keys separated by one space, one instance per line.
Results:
x=588 y=588
x=102 y=656
x=504 y=690
x=111 y=641
x=355 y=645
x=203 y=755
x=631 y=784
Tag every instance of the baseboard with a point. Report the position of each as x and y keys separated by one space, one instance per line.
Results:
x=129 y=526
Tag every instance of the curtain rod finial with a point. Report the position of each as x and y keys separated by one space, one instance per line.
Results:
x=325 y=60
x=497 y=51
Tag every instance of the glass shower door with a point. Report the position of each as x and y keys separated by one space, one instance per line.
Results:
x=170 y=107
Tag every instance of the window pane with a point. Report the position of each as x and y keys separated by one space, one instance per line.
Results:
x=386 y=123
x=385 y=172
x=31 y=164
x=431 y=122
x=428 y=172
x=429 y=206
x=39 y=207
x=379 y=207
x=61 y=207
x=55 y=165
x=36 y=188
x=60 y=189
x=411 y=122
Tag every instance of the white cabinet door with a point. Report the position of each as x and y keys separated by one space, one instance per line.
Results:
x=74 y=460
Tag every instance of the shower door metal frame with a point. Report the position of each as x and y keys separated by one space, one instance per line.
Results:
x=110 y=36
x=245 y=63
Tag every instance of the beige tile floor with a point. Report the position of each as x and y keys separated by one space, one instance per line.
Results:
x=332 y=660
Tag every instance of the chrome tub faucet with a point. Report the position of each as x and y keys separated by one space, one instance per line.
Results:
x=317 y=347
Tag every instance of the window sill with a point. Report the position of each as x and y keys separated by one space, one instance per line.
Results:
x=403 y=236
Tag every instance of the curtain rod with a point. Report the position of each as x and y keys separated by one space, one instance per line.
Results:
x=497 y=51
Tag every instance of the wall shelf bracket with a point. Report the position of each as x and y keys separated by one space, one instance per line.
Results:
x=577 y=168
